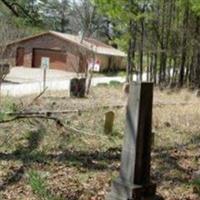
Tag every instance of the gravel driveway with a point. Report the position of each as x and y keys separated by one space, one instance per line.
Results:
x=25 y=81
x=29 y=75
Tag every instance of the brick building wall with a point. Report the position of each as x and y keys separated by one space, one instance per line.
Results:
x=76 y=56
x=49 y=42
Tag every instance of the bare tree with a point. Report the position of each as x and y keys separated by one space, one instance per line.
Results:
x=85 y=20
x=8 y=33
x=56 y=14
x=19 y=10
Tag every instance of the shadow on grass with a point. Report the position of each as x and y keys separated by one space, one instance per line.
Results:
x=22 y=153
x=29 y=155
x=96 y=160
x=90 y=160
x=13 y=178
x=169 y=168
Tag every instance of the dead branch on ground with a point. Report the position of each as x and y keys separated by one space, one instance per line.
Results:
x=48 y=113
x=58 y=122
x=38 y=96
x=28 y=117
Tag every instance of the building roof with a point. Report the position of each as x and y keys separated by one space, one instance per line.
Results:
x=88 y=43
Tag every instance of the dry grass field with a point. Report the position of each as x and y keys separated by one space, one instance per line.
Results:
x=75 y=160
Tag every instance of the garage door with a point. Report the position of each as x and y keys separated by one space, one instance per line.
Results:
x=58 y=59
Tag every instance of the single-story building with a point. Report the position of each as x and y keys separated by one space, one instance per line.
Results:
x=64 y=51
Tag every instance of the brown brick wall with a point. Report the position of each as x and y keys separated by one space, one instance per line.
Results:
x=47 y=41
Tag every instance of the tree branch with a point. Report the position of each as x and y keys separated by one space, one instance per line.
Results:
x=10 y=7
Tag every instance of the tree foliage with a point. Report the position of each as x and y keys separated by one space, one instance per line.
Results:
x=162 y=38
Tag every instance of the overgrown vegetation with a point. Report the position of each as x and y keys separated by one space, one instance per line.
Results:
x=196 y=184
x=41 y=159
x=161 y=38
x=38 y=186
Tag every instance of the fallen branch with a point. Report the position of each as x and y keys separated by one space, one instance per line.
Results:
x=38 y=96
x=58 y=123
x=48 y=113
x=44 y=113
x=28 y=117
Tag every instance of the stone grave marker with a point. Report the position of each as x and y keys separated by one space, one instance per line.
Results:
x=134 y=181
x=109 y=121
x=82 y=87
x=77 y=87
x=74 y=87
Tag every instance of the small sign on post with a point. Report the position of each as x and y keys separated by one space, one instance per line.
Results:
x=45 y=65
x=94 y=65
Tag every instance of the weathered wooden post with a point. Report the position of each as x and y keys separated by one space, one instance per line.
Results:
x=109 y=121
x=134 y=180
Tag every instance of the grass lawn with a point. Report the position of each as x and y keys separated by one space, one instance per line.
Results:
x=121 y=73
x=42 y=159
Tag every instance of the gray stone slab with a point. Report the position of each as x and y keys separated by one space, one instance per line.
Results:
x=134 y=178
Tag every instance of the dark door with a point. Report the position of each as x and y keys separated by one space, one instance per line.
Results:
x=20 y=56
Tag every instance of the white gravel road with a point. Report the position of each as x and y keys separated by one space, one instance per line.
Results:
x=24 y=81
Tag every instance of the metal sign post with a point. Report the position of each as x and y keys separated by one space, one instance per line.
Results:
x=44 y=66
x=44 y=78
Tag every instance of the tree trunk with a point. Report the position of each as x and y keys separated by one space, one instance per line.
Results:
x=184 y=45
x=141 y=48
